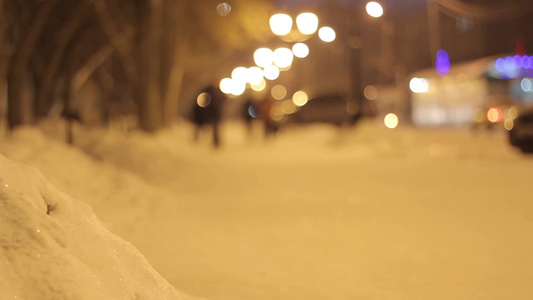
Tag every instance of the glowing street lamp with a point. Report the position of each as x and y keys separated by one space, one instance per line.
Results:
x=240 y=74
x=300 y=50
x=327 y=34
x=300 y=98
x=271 y=72
x=374 y=9
x=263 y=57
x=226 y=85
x=283 y=57
x=307 y=23
x=418 y=85
x=255 y=75
x=280 y=24
x=259 y=86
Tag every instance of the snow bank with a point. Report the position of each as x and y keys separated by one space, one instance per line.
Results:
x=53 y=247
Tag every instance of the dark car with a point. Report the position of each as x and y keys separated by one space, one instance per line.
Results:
x=521 y=134
x=331 y=109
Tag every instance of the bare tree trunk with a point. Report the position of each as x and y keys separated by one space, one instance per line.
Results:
x=150 y=101
x=84 y=73
x=172 y=94
x=19 y=64
x=44 y=95
x=179 y=30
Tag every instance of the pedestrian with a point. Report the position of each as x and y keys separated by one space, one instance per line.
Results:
x=265 y=114
x=207 y=112
x=249 y=113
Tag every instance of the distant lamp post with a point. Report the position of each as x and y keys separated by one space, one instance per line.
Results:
x=226 y=85
x=255 y=75
x=300 y=50
x=327 y=34
x=300 y=98
x=263 y=57
x=271 y=72
x=418 y=85
x=374 y=9
x=281 y=24
x=240 y=74
x=283 y=58
x=260 y=86
x=307 y=23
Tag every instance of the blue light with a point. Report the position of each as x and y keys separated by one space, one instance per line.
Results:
x=526 y=62
x=442 y=64
x=500 y=65
x=517 y=66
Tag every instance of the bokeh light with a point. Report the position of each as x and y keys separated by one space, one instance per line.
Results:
x=276 y=113
x=255 y=75
x=263 y=57
x=288 y=107
x=271 y=72
x=371 y=93
x=223 y=9
x=374 y=9
x=300 y=50
x=280 y=24
x=226 y=85
x=238 y=87
x=391 y=121
x=240 y=74
x=512 y=112
x=494 y=114
x=418 y=85
x=307 y=23
x=508 y=124
x=259 y=86
x=283 y=57
x=327 y=34
x=278 y=92
x=526 y=84
x=442 y=63
x=203 y=100
x=300 y=98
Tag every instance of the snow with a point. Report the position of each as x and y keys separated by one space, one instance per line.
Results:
x=315 y=213
x=53 y=247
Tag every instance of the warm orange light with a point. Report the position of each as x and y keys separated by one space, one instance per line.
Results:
x=203 y=100
x=391 y=121
x=494 y=114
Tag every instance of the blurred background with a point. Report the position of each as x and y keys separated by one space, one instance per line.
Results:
x=428 y=62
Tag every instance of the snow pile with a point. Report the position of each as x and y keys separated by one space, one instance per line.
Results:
x=53 y=247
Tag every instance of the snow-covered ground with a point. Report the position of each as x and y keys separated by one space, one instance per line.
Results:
x=316 y=213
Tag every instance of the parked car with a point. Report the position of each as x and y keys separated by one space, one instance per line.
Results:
x=331 y=109
x=521 y=133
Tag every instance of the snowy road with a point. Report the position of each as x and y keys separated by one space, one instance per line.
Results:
x=368 y=213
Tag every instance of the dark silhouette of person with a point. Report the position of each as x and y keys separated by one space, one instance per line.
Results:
x=265 y=114
x=207 y=111
x=249 y=113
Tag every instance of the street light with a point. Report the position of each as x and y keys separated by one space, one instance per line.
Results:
x=327 y=34
x=263 y=57
x=300 y=50
x=374 y=9
x=300 y=98
x=271 y=72
x=280 y=24
x=283 y=57
x=307 y=23
x=240 y=74
x=255 y=75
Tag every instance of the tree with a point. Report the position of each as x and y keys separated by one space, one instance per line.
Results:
x=146 y=47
